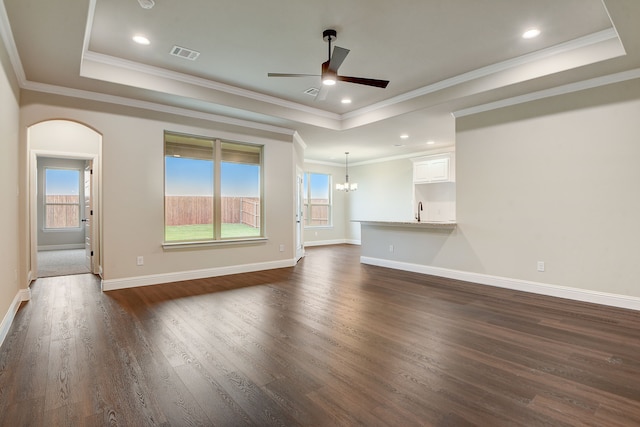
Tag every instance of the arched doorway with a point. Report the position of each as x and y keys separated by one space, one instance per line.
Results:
x=64 y=217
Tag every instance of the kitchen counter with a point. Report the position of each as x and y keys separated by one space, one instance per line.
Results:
x=443 y=225
x=396 y=243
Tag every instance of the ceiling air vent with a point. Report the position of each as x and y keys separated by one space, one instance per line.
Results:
x=313 y=91
x=185 y=53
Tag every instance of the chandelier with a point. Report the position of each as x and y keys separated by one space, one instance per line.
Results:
x=347 y=186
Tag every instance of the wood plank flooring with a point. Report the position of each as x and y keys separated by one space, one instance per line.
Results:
x=329 y=342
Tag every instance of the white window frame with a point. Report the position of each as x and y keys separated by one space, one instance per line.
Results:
x=46 y=204
x=308 y=206
x=218 y=159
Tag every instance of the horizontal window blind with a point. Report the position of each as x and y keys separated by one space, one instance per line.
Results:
x=239 y=153
x=177 y=145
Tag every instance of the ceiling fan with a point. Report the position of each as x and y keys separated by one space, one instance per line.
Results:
x=329 y=72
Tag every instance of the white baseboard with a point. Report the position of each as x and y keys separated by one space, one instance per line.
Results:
x=324 y=242
x=156 y=279
x=584 y=295
x=331 y=242
x=61 y=247
x=22 y=295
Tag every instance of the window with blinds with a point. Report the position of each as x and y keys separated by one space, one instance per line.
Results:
x=213 y=189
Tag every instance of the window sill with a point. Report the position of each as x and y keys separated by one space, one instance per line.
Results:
x=167 y=246
x=62 y=230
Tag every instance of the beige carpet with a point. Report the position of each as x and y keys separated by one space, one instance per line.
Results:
x=61 y=263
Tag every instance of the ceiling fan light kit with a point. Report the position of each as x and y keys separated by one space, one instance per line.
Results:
x=329 y=72
x=328 y=77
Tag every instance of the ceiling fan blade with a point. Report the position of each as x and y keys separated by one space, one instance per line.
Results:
x=338 y=56
x=322 y=94
x=363 y=81
x=291 y=75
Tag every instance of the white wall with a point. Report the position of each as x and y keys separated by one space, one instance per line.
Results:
x=9 y=243
x=385 y=193
x=133 y=190
x=554 y=180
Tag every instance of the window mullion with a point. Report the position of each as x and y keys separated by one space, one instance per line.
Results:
x=309 y=203
x=217 y=190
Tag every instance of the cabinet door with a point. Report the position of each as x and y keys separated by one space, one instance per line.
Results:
x=421 y=172
x=432 y=170
x=438 y=170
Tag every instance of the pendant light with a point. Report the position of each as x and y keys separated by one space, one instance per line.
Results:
x=347 y=186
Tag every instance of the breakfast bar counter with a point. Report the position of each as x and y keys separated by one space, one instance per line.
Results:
x=442 y=225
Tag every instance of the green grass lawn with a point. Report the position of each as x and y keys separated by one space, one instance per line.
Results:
x=205 y=232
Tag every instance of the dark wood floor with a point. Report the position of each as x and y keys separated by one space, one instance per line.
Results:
x=328 y=342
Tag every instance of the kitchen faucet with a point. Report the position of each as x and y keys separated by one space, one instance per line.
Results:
x=419 y=209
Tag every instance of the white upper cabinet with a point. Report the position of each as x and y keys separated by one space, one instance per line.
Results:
x=436 y=168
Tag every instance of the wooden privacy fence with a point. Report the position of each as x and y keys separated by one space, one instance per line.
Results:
x=319 y=215
x=190 y=210
x=62 y=211
x=249 y=211
x=317 y=211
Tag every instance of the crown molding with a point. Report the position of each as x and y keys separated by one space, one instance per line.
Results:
x=322 y=162
x=445 y=149
x=547 y=93
x=152 y=106
x=586 y=41
x=200 y=82
x=184 y=78
x=298 y=139
x=6 y=34
x=582 y=42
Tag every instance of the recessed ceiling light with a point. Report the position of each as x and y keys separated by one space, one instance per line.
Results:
x=430 y=142
x=531 y=33
x=141 y=39
x=346 y=101
x=398 y=145
x=404 y=136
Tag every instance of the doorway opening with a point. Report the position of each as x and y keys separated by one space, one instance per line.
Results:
x=64 y=214
x=61 y=216
x=299 y=214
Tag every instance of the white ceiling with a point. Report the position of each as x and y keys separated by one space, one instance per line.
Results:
x=440 y=57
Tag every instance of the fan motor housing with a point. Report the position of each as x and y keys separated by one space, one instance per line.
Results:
x=329 y=35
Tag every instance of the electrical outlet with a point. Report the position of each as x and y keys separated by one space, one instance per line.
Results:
x=390 y=248
x=140 y=260
x=281 y=248
x=540 y=265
